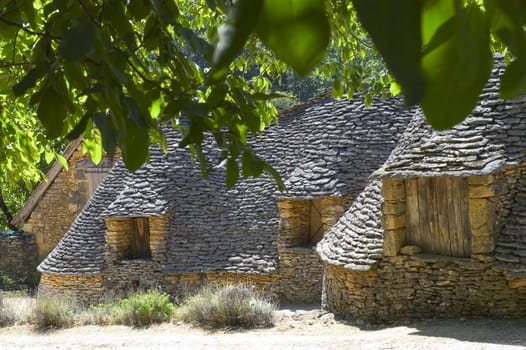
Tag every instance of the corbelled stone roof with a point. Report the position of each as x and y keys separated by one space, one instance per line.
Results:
x=324 y=147
x=81 y=250
x=357 y=238
x=328 y=147
x=490 y=138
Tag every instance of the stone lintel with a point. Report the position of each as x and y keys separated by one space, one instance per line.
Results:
x=393 y=189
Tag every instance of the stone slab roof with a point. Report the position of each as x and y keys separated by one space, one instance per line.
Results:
x=490 y=138
x=356 y=241
x=81 y=250
x=322 y=148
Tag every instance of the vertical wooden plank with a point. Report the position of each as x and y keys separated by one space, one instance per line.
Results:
x=413 y=232
x=425 y=212
x=432 y=203
x=140 y=238
x=442 y=237
x=464 y=209
x=455 y=216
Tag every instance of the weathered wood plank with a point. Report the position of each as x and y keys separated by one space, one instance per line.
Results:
x=425 y=212
x=464 y=213
x=412 y=212
x=455 y=216
x=442 y=237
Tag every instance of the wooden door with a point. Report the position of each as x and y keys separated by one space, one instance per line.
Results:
x=437 y=215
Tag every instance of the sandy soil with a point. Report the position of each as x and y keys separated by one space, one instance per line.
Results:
x=294 y=329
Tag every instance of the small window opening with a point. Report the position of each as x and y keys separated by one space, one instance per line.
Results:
x=140 y=239
x=311 y=229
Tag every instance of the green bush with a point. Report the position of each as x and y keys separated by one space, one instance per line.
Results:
x=138 y=310
x=53 y=312
x=233 y=306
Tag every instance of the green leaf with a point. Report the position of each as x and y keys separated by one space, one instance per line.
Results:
x=276 y=176
x=507 y=20
x=513 y=81
x=52 y=111
x=395 y=27
x=79 y=41
x=394 y=89
x=48 y=156
x=110 y=135
x=337 y=88
x=217 y=96
x=233 y=34
x=62 y=161
x=134 y=113
x=79 y=128
x=456 y=67
x=134 y=145
x=232 y=173
x=251 y=164
x=155 y=108
x=297 y=31
x=30 y=79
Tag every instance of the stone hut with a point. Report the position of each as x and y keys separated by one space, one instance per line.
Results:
x=440 y=229
x=166 y=226
x=55 y=203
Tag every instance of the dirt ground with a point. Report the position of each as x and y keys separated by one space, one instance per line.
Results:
x=306 y=328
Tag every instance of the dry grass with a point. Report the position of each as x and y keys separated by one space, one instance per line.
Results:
x=15 y=308
x=230 y=306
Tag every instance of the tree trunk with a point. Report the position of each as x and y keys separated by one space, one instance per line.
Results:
x=7 y=212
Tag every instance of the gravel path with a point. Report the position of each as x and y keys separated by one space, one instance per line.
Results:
x=307 y=330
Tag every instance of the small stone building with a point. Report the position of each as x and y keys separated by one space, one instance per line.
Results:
x=440 y=231
x=55 y=203
x=167 y=227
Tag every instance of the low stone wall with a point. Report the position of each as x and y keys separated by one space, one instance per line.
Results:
x=18 y=261
x=180 y=285
x=423 y=286
x=300 y=275
x=129 y=276
x=86 y=290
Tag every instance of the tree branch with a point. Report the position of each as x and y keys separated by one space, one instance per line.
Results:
x=27 y=30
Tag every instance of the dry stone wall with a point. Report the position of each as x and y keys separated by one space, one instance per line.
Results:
x=423 y=286
x=18 y=261
x=59 y=206
x=300 y=267
x=87 y=289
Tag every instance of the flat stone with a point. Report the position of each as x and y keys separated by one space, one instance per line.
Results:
x=410 y=250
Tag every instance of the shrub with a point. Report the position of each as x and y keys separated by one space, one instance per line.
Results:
x=138 y=310
x=235 y=306
x=54 y=312
x=7 y=314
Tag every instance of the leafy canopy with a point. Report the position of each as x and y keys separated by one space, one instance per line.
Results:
x=116 y=72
